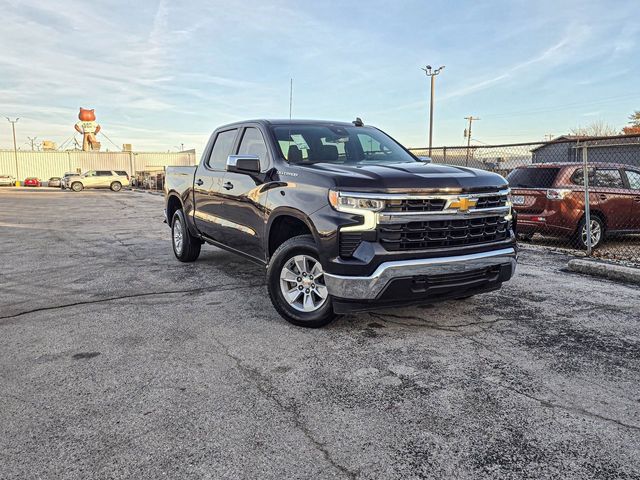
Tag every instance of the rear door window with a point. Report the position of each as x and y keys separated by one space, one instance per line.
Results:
x=533 y=177
x=222 y=149
x=608 y=178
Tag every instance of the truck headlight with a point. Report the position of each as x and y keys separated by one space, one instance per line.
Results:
x=365 y=207
x=349 y=203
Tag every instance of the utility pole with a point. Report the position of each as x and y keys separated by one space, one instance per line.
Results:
x=548 y=137
x=468 y=134
x=432 y=75
x=15 y=147
x=32 y=141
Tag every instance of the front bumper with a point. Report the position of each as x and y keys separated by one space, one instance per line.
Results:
x=419 y=271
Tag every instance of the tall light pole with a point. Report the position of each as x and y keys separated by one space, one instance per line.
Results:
x=432 y=74
x=15 y=148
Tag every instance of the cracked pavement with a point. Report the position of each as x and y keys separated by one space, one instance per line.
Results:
x=117 y=361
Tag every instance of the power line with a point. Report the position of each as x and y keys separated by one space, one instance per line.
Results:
x=114 y=144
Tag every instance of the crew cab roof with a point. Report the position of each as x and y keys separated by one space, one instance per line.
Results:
x=269 y=122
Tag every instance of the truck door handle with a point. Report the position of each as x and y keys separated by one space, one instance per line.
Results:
x=603 y=196
x=228 y=185
x=199 y=182
x=636 y=199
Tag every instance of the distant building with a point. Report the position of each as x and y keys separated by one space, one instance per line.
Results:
x=568 y=148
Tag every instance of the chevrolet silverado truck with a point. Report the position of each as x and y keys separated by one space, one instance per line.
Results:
x=342 y=217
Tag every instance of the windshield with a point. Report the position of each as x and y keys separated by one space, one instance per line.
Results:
x=306 y=144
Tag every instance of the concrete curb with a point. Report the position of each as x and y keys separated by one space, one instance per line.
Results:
x=607 y=270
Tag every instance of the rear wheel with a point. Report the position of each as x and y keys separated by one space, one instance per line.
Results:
x=77 y=186
x=186 y=247
x=116 y=186
x=295 y=280
x=597 y=232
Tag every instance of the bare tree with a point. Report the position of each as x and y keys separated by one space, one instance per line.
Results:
x=599 y=128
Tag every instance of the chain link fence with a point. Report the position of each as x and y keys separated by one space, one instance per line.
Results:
x=575 y=193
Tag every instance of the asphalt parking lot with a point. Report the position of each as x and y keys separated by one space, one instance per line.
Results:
x=117 y=361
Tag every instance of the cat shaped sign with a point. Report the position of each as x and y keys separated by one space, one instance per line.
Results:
x=88 y=127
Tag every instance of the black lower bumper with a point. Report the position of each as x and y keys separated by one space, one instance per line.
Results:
x=424 y=290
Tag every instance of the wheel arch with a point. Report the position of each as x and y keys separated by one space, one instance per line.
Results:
x=281 y=217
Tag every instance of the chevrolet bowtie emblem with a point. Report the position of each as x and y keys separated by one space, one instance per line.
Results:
x=464 y=203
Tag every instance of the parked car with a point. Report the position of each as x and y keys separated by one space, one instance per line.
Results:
x=123 y=173
x=54 y=182
x=7 y=181
x=342 y=217
x=65 y=178
x=32 y=182
x=550 y=199
x=97 y=179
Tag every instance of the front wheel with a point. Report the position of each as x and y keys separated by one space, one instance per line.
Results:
x=186 y=247
x=295 y=280
x=116 y=186
x=77 y=186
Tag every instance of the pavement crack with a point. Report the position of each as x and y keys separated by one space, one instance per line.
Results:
x=208 y=289
x=263 y=384
x=436 y=326
x=568 y=408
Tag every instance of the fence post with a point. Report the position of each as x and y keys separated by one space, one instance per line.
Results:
x=587 y=208
x=131 y=166
x=444 y=155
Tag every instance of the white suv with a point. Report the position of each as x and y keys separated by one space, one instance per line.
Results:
x=97 y=179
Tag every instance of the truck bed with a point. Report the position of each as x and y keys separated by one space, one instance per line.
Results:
x=179 y=179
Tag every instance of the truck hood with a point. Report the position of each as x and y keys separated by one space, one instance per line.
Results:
x=409 y=177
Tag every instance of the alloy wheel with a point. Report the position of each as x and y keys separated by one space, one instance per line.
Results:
x=177 y=236
x=596 y=233
x=302 y=283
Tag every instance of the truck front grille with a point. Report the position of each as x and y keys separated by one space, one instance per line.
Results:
x=492 y=201
x=442 y=233
x=439 y=204
x=415 y=205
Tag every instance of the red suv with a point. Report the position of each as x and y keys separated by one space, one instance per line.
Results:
x=549 y=199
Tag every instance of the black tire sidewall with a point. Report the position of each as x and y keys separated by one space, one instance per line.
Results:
x=295 y=246
x=190 y=245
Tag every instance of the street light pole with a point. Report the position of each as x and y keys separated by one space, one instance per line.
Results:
x=15 y=148
x=429 y=72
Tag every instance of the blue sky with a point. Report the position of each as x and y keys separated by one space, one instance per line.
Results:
x=162 y=73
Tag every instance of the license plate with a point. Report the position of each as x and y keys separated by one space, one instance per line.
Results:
x=517 y=199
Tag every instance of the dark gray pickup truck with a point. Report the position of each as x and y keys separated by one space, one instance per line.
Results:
x=343 y=217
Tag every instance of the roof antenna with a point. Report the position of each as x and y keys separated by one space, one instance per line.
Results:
x=290 y=97
x=358 y=122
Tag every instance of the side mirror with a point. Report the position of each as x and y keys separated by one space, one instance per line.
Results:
x=425 y=159
x=243 y=164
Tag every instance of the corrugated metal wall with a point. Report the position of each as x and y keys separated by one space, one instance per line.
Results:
x=44 y=165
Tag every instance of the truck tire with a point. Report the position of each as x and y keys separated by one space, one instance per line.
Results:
x=77 y=186
x=186 y=247
x=116 y=186
x=296 y=284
